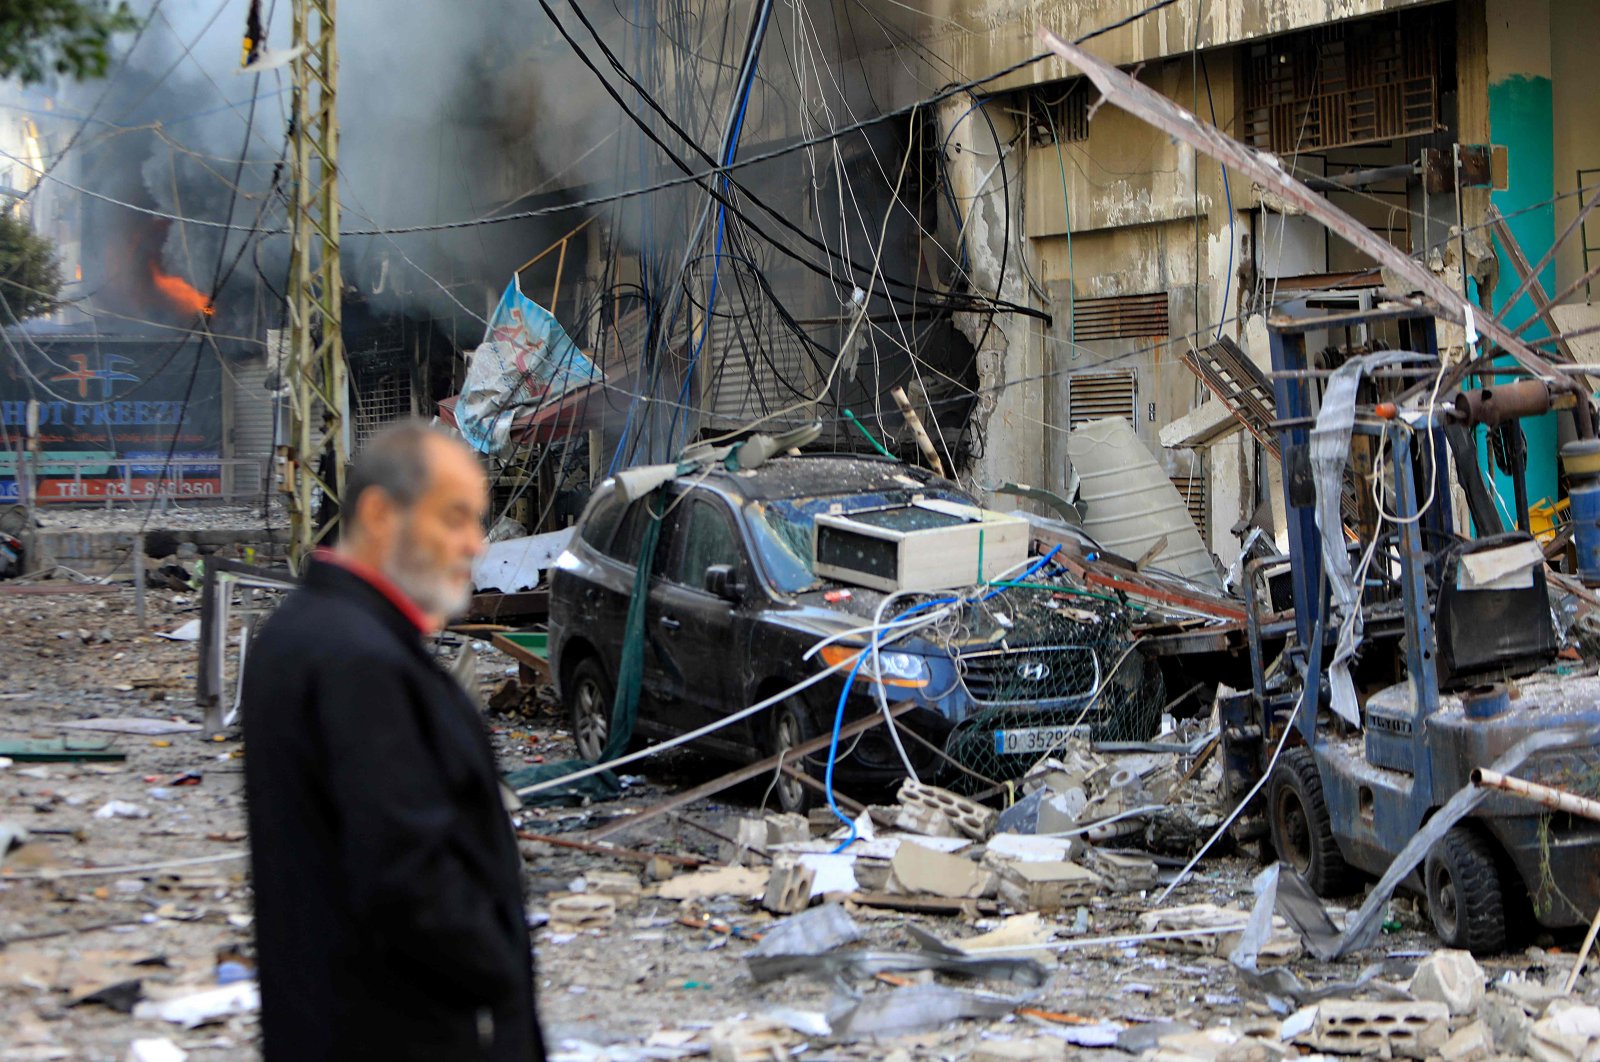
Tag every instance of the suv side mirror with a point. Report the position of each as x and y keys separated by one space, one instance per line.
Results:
x=723 y=581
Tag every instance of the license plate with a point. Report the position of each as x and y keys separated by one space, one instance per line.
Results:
x=1035 y=740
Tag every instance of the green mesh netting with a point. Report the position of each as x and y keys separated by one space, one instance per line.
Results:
x=624 y=707
x=1065 y=665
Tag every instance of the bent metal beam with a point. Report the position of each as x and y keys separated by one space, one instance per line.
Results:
x=1144 y=102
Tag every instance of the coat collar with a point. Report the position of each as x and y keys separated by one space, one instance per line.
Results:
x=383 y=585
x=340 y=581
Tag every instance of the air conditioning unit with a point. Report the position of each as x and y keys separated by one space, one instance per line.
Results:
x=928 y=544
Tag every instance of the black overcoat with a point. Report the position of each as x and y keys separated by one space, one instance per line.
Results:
x=388 y=886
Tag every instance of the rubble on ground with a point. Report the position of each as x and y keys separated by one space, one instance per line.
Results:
x=949 y=928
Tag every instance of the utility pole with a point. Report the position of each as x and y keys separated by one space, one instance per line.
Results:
x=316 y=452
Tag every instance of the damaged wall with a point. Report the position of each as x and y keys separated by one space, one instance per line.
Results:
x=1009 y=420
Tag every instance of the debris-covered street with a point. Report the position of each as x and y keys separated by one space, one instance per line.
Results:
x=130 y=889
x=832 y=529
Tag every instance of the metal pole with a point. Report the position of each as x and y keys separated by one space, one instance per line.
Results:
x=1549 y=796
x=138 y=578
x=318 y=396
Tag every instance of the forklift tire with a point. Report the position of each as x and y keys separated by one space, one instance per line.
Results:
x=1302 y=832
x=791 y=727
x=1465 y=899
x=589 y=696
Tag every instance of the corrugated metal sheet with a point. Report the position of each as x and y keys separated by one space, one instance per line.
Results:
x=1120 y=317
x=748 y=375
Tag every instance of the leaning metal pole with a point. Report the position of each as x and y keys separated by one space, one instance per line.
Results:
x=1549 y=796
x=315 y=452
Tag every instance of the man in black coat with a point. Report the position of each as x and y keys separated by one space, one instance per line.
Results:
x=388 y=886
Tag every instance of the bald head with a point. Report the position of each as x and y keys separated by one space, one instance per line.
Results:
x=416 y=500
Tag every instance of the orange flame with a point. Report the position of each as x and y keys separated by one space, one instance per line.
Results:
x=180 y=292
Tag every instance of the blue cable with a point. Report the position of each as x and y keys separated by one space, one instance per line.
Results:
x=1040 y=563
x=855 y=669
x=838 y=717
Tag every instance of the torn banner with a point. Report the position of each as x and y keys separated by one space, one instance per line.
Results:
x=526 y=359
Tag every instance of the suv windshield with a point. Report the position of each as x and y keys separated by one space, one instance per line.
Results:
x=782 y=529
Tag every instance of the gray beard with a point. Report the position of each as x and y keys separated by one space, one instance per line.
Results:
x=428 y=589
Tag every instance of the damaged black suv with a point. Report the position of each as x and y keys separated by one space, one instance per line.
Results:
x=734 y=606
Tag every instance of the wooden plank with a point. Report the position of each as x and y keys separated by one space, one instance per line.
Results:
x=627 y=854
x=744 y=774
x=59 y=750
x=852 y=806
x=922 y=904
x=491 y=608
x=526 y=657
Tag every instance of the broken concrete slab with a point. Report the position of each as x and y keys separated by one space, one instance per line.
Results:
x=1470 y=1043
x=1453 y=978
x=743 y=882
x=1571 y=1034
x=131 y=725
x=917 y=870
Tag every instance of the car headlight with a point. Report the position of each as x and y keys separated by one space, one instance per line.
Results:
x=898 y=669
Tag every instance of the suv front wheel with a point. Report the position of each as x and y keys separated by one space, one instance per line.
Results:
x=790 y=727
x=589 y=697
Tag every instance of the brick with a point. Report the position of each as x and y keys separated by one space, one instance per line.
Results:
x=1048 y=886
x=929 y=822
x=579 y=911
x=971 y=818
x=788 y=888
x=787 y=828
x=1406 y=1030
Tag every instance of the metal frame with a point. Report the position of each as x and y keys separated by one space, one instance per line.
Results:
x=168 y=485
x=317 y=371
x=217 y=612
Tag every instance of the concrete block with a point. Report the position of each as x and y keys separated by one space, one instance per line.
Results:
x=1453 y=978
x=745 y=833
x=1048 y=886
x=1471 y=1043
x=1123 y=873
x=787 y=828
x=1404 y=1030
x=1207 y=423
x=621 y=886
x=919 y=871
x=788 y=888
x=929 y=822
x=579 y=911
x=971 y=818
x=1571 y=1034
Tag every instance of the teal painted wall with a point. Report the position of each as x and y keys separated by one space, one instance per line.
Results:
x=1521 y=117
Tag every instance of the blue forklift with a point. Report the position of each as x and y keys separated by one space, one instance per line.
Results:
x=1459 y=655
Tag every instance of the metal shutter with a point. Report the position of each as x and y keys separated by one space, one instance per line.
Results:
x=1120 y=317
x=1098 y=395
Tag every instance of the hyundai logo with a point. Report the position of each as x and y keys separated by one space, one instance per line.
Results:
x=1033 y=671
